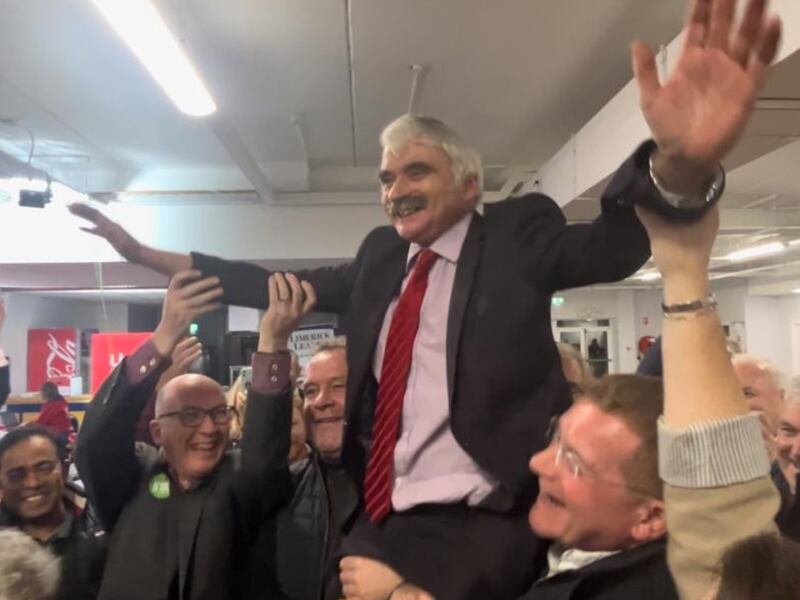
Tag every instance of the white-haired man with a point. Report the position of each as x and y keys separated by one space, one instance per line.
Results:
x=762 y=385
x=453 y=373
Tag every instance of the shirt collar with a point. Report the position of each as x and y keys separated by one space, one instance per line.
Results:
x=560 y=559
x=449 y=244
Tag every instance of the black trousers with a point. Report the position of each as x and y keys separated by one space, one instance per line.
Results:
x=454 y=552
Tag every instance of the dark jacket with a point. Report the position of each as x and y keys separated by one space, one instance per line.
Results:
x=5 y=384
x=80 y=544
x=206 y=531
x=637 y=574
x=307 y=532
x=788 y=517
x=503 y=370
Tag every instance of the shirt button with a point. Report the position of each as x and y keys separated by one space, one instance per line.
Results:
x=143 y=369
x=153 y=362
x=273 y=379
x=274 y=366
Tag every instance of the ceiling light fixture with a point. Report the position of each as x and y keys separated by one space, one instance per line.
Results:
x=758 y=251
x=649 y=276
x=142 y=28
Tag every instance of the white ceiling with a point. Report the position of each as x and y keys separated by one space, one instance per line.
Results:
x=516 y=77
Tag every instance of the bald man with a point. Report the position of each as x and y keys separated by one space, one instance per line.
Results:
x=181 y=524
x=762 y=385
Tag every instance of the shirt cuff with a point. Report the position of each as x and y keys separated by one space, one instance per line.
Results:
x=270 y=372
x=713 y=453
x=145 y=361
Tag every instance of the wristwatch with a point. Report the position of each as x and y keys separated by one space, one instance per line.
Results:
x=690 y=202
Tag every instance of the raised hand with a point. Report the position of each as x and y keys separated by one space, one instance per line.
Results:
x=187 y=298
x=289 y=300
x=699 y=113
x=185 y=353
x=122 y=241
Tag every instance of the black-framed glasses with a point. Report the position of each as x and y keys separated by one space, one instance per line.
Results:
x=42 y=469
x=193 y=416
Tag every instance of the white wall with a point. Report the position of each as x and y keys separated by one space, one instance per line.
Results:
x=25 y=311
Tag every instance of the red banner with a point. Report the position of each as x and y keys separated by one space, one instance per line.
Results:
x=108 y=350
x=52 y=356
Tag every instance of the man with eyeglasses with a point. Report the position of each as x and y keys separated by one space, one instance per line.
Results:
x=182 y=525
x=37 y=500
x=601 y=499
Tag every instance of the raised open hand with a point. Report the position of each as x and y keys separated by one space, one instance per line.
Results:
x=289 y=300
x=699 y=113
x=122 y=241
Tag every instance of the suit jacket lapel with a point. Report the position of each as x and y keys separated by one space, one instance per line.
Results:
x=381 y=287
x=191 y=512
x=465 y=275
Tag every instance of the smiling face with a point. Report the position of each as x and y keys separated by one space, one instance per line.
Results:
x=419 y=192
x=788 y=439
x=324 y=390
x=31 y=479
x=191 y=452
x=593 y=510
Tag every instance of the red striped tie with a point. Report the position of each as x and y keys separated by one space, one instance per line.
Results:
x=392 y=389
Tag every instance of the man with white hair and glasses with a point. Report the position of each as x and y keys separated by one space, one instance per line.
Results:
x=453 y=372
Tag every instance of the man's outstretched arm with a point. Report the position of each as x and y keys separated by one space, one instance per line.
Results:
x=167 y=263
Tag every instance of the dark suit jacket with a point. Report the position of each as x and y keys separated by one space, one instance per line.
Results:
x=639 y=573
x=503 y=371
x=209 y=529
x=5 y=383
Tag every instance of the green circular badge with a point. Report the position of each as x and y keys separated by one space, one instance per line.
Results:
x=159 y=486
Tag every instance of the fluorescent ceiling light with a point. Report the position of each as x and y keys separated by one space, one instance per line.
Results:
x=757 y=251
x=796 y=291
x=140 y=26
x=649 y=276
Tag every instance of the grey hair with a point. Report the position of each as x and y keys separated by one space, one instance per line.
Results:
x=774 y=372
x=337 y=343
x=792 y=395
x=466 y=161
x=28 y=571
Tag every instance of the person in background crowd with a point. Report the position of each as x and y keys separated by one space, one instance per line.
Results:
x=55 y=412
x=308 y=530
x=762 y=385
x=28 y=571
x=786 y=468
x=236 y=397
x=182 y=528
x=186 y=352
x=37 y=501
x=576 y=369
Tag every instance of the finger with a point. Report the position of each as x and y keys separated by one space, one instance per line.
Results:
x=181 y=278
x=765 y=54
x=296 y=296
x=197 y=287
x=311 y=297
x=697 y=24
x=204 y=298
x=92 y=230
x=719 y=29
x=84 y=211
x=283 y=287
x=186 y=343
x=645 y=72
x=749 y=29
x=272 y=288
x=201 y=310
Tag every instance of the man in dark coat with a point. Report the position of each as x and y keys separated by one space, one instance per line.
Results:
x=600 y=497
x=181 y=527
